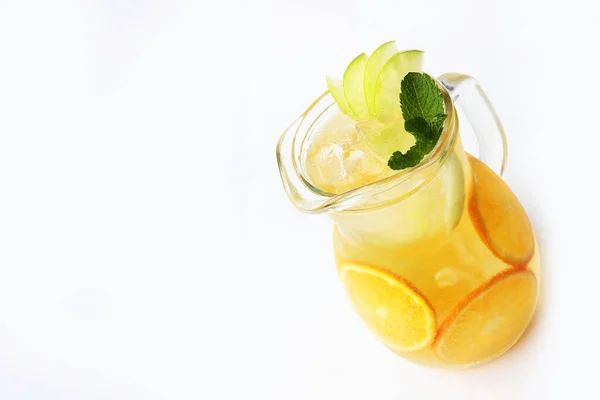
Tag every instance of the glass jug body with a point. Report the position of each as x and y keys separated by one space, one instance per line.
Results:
x=440 y=260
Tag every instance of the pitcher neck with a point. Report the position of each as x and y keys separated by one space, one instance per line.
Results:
x=310 y=199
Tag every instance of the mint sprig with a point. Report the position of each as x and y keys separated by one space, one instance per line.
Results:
x=423 y=111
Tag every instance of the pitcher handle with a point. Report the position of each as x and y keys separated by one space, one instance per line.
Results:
x=466 y=92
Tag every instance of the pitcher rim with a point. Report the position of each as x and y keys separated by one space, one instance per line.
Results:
x=344 y=201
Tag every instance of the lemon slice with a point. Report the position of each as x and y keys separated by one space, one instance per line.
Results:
x=373 y=68
x=489 y=320
x=390 y=306
x=387 y=88
x=353 y=83
x=336 y=88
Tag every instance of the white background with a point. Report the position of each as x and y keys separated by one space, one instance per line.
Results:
x=147 y=248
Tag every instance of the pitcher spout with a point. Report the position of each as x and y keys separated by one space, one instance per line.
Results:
x=298 y=189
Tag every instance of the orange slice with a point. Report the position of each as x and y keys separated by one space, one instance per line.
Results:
x=390 y=306
x=499 y=217
x=489 y=320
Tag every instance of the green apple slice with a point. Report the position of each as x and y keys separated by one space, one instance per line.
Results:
x=373 y=68
x=454 y=182
x=336 y=88
x=387 y=88
x=353 y=84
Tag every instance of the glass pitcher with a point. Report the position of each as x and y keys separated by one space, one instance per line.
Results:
x=439 y=260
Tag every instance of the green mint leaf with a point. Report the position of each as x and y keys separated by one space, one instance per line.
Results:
x=423 y=111
x=419 y=127
x=420 y=97
x=437 y=123
x=430 y=130
x=412 y=157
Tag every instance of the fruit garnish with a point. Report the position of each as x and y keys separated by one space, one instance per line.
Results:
x=371 y=85
x=387 y=91
x=423 y=112
x=354 y=86
x=376 y=61
x=371 y=89
x=336 y=88
x=390 y=306
x=499 y=217
x=489 y=320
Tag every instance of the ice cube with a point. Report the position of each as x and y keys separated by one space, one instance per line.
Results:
x=360 y=168
x=446 y=277
x=370 y=127
x=361 y=164
x=338 y=159
x=326 y=167
x=341 y=130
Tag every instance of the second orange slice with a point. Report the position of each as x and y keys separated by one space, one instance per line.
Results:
x=489 y=320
